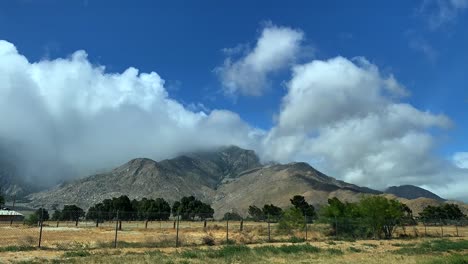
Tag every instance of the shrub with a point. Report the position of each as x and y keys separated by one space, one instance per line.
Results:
x=208 y=240
x=79 y=253
x=293 y=219
x=32 y=220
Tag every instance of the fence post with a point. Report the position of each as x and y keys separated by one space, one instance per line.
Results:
x=13 y=208
x=441 y=229
x=227 y=230
x=456 y=227
x=425 y=228
x=177 y=232
x=242 y=225
x=336 y=227
x=269 y=231
x=116 y=229
x=40 y=229
x=305 y=220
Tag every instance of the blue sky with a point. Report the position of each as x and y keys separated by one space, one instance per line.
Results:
x=423 y=44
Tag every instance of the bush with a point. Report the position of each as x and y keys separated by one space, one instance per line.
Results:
x=79 y=253
x=32 y=220
x=208 y=240
x=293 y=219
x=232 y=216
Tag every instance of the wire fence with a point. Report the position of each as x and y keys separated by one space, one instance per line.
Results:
x=129 y=229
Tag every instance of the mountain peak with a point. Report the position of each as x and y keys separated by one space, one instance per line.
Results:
x=412 y=192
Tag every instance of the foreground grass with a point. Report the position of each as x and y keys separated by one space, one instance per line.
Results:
x=426 y=252
x=432 y=247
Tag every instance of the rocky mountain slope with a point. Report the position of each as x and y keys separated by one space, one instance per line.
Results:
x=412 y=192
x=278 y=183
x=197 y=174
x=230 y=179
x=10 y=182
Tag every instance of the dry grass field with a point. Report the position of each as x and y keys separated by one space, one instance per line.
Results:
x=156 y=244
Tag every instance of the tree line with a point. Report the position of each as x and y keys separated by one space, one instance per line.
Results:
x=188 y=208
x=372 y=216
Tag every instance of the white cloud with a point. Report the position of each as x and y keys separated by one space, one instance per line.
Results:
x=460 y=159
x=276 y=48
x=441 y=12
x=68 y=115
x=344 y=117
x=421 y=45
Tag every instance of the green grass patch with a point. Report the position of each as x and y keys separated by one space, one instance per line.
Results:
x=353 y=249
x=295 y=239
x=334 y=251
x=77 y=253
x=452 y=259
x=285 y=249
x=229 y=251
x=16 y=248
x=436 y=246
x=243 y=252
x=124 y=244
x=190 y=254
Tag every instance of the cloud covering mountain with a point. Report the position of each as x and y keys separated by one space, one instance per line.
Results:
x=67 y=116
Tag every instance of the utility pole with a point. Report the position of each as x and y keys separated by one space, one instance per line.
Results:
x=13 y=208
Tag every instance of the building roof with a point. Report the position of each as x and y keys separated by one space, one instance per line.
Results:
x=9 y=212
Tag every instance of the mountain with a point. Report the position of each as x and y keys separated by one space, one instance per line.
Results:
x=10 y=182
x=278 y=183
x=412 y=192
x=228 y=178
x=198 y=174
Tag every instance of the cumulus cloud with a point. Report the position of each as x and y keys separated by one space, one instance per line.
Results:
x=348 y=119
x=67 y=116
x=276 y=48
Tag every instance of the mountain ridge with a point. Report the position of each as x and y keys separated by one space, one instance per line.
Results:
x=228 y=178
x=412 y=192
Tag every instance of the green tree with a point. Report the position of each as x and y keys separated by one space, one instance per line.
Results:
x=32 y=219
x=372 y=216
x=176 y=208
x=342 y=218
x=256 y=213
x=204 y=211
x=299 y=202
x=35 y=218
x=71 y=213
x=441 y=213
x=2 y=200
x=190 y=207
x=149 y=209
x=292 y=219
x=56 y=215
x=123 y=206
x=381 y=214
x=272 y=212
x=232 y=216
x=42 y=213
